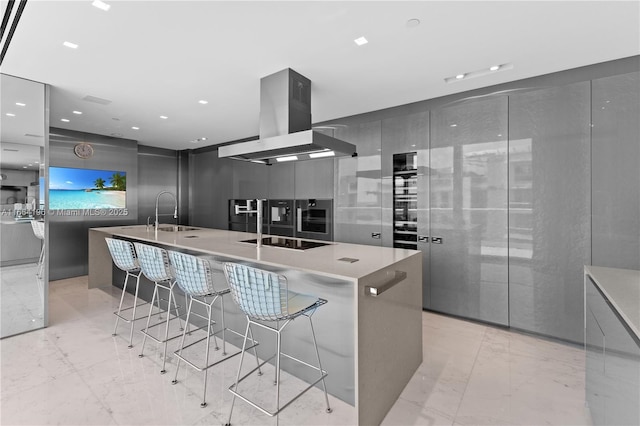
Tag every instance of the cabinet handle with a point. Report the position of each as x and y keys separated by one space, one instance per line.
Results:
x=394 y=278
x=375 y=235
x=299 y=219
x=436 y=240
x=423 y=239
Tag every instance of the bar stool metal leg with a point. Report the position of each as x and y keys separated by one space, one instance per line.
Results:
x=146 y=328
x=135 y=304
x=315 y=345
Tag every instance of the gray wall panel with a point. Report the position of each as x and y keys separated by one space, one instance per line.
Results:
x=157 y=171
x=549 y=212
x=211 y=186
x=616 y=171
x=68 y=230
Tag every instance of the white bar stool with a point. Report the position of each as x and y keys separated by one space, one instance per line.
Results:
x=154 y=263
x=124 y=257
x=194 y=277
x=264 y=296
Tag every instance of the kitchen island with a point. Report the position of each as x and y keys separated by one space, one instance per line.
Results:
x=612 y=345
x=370 y=331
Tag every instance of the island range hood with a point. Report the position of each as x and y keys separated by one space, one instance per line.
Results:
x=285 y=125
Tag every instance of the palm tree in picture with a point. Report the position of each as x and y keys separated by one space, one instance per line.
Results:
x=118 y=181
x=99 y=183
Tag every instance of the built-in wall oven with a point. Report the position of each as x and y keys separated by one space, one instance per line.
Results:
x=314 y=219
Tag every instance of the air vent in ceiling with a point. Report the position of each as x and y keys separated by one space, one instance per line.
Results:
x=96 y=100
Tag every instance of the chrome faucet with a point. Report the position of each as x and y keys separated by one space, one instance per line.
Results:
x=175 y=206
x=247 y=210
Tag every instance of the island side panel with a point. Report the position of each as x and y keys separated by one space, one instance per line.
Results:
x=389 y=339
x=100 y=264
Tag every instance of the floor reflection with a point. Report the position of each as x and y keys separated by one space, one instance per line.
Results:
x=21 y=297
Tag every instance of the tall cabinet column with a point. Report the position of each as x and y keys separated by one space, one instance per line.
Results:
x=358 y=196
x=616 y=171
x=549 y=209
x=468 y=208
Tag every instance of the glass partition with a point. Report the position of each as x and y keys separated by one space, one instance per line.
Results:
x=23 y=267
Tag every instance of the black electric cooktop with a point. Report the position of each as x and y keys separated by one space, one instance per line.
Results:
x=289 y=243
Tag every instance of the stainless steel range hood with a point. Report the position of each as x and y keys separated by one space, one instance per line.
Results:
x=285 y=125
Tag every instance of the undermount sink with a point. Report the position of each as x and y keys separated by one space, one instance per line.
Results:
x=176 y=228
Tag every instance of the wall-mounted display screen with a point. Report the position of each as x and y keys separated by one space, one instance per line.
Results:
x=71 y=188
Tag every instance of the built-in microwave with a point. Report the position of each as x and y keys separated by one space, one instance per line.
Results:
x=314 y=219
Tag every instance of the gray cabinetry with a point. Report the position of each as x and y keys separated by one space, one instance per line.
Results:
x=314 y=179
x=281 y=181
x=549 y=209
x=250 y=180
x=468 y=203
x=616 y=171
x=401 y=134
x=612 y=364
x=358 y=193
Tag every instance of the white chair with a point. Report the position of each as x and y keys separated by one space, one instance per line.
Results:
x=195 y=279
x=124 y=257
x=264 y=297
x=154 y=263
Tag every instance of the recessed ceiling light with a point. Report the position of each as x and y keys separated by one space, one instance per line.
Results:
x=203 y=102
x=66 y=120
x=9 y=114
x=135 y=128
x=77 y=112
x=20 y=104
x=37 y=162
x=453 y=125
x=361 y=41
x=101 y=5
x=203 y=139
x=71 y=45
x=30 y=164
x=24 y=167
x=289 y=158
x=164 y=117
x=480 y=73
x=322 y=154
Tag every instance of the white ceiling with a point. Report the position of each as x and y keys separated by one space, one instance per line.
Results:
x=152 y=58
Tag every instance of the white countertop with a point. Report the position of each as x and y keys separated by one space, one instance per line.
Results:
x=622 y=289
x=322 y=260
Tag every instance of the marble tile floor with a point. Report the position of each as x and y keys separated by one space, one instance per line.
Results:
x=21 y=299
x=75 y=373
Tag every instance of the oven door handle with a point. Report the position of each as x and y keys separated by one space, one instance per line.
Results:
x=299 y=219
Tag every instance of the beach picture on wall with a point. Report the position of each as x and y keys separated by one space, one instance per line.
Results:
x=71 y=188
